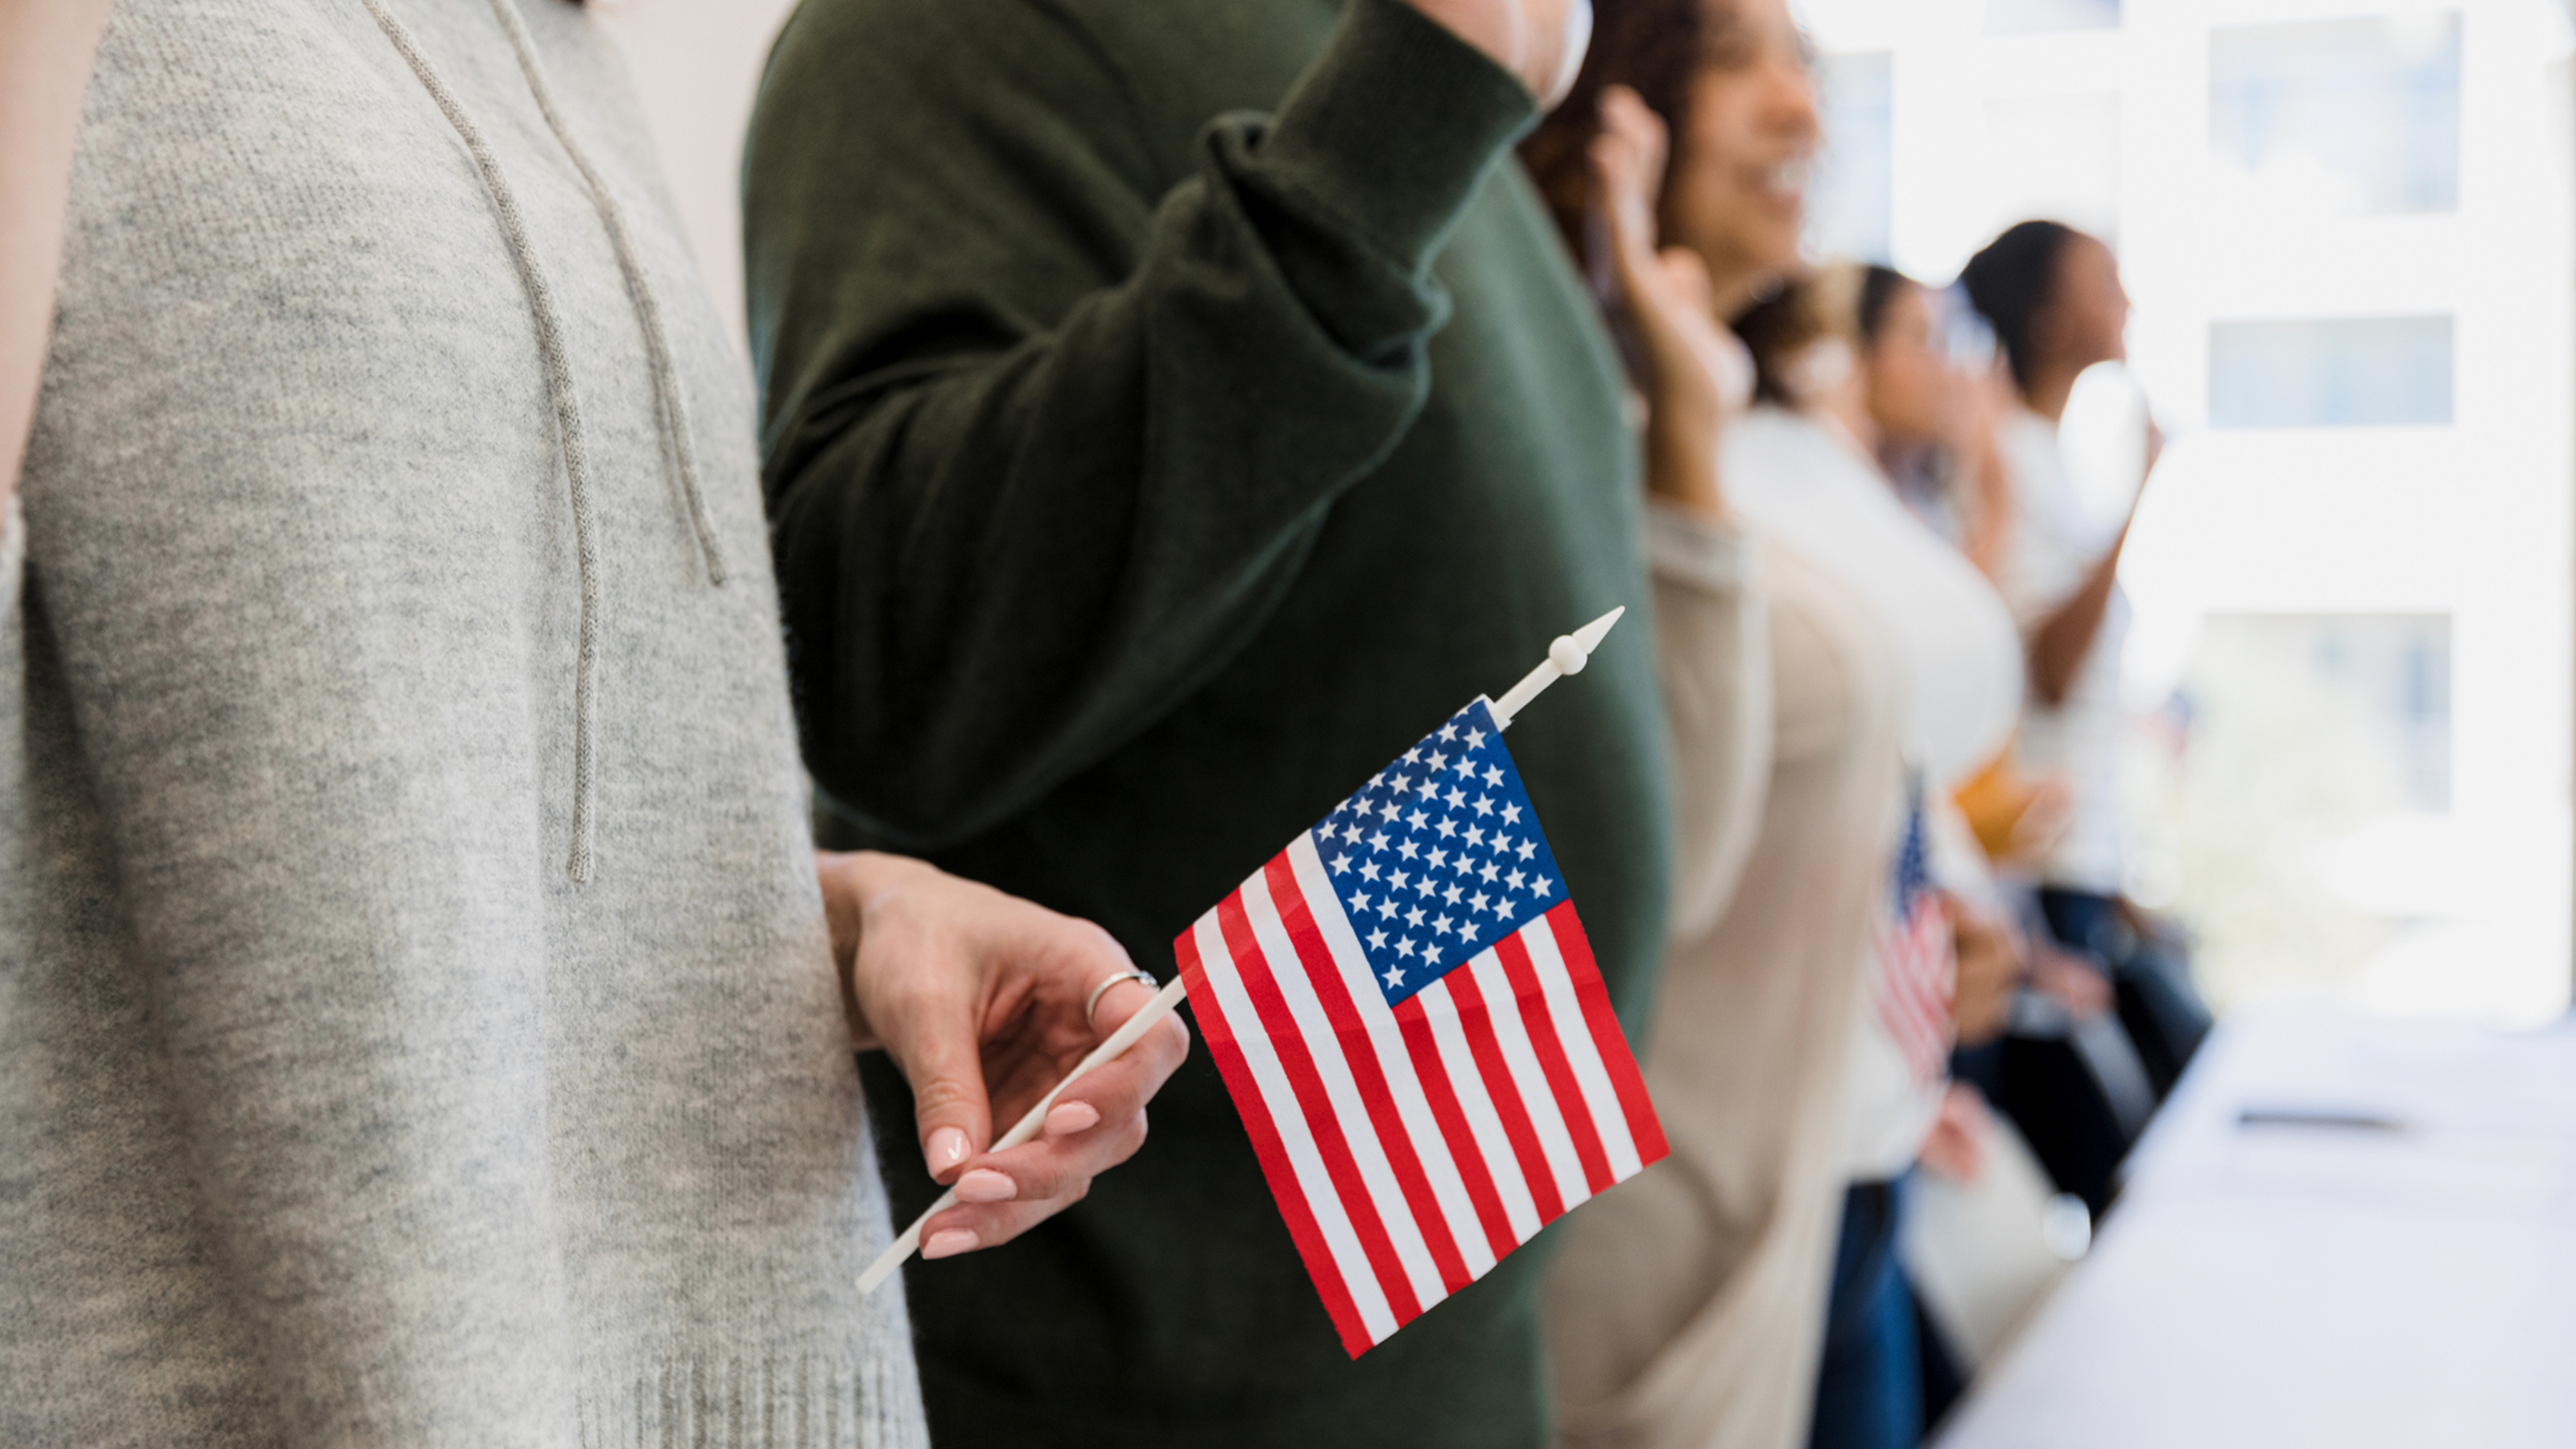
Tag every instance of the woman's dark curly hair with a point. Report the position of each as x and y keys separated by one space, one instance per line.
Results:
x=1653 y=47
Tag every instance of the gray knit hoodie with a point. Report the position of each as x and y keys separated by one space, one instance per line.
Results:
x=415 y=1021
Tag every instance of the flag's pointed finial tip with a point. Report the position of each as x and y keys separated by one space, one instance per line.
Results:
x=1570 y=651
x=1591 y=635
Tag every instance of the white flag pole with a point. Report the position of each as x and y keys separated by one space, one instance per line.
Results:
x=1566 y=656
x=1129 y=1032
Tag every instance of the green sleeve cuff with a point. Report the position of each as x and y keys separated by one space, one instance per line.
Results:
x=1395 y=127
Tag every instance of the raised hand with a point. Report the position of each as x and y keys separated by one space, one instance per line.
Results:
x=980 y=998
x=1698 y=374
x=1992 y=955
x=1540 y=41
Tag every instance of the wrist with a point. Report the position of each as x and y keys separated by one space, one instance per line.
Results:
x=1543 y=57
x=855 y=884
x=1681 y=464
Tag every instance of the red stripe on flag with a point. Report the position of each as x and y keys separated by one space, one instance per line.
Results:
x=1218 y=1033
x=1475 y=1018
x=1326 y=978
x=1322 y=1122
x=1607 y=1039
x=1540 y=1024
x=1434 y=1073
x=1912 y=998
x=1914 y=989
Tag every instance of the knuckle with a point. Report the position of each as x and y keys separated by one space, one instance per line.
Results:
x=942 y=1099
x=1040 y=1182
x=1131 y=1138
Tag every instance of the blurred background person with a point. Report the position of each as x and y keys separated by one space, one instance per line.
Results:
x=1935 y=420
x=2054 y=299
x=1804 y=464
x=1687 y=1308
x=1936 y=409
x=1933 y=407
x=1173 y=410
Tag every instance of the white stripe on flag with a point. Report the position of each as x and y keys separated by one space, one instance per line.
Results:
x=1483 y=1122
x=1393 y=1058
x=1574 y=1034
x=1312 y=1179
x=1350 y=1110
x=1502 y=1007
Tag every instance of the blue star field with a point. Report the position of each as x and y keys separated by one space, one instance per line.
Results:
x=1439 y=856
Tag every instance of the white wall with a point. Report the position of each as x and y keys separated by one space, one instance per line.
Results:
x=696 y=64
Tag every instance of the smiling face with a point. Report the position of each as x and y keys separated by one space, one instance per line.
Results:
x=1736 y=192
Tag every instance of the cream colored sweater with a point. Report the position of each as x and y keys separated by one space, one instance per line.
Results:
x=1687 y=1310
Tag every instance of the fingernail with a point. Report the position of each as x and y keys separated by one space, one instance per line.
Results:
x=948 y=1243
x=986 y=1185
x=947 y=1148
x=1071 y=1117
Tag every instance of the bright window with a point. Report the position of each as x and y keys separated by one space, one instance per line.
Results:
x=2330 y=372
x=2350 y=234
x=2358 y=117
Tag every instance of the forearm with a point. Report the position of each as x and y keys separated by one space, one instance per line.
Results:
x=1988 y=542
x=46 y=47
x=2059 y=648
x=1683 y=460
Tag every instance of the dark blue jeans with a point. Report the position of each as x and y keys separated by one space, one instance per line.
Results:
x=1869 y=1388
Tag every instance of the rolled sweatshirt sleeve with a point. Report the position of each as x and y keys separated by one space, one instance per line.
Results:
x=1051 y=421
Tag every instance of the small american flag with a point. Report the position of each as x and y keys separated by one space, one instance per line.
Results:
x=1917 y=972
x=1405 y=1010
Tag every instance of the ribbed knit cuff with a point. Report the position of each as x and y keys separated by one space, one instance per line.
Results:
x=1396 y=125
x=1687 y=548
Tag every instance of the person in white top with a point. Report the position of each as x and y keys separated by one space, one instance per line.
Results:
x=2054 y=298
x=1802 y=467
x=1687 y=1310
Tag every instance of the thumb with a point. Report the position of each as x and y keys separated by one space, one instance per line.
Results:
x=950 y=1109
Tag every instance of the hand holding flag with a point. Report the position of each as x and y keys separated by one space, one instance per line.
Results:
x=1406 y=1012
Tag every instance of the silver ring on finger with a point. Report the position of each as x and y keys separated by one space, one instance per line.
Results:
x=1092 y=1006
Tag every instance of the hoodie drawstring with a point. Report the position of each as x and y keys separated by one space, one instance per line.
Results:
x=554 y=358
x=648 y=308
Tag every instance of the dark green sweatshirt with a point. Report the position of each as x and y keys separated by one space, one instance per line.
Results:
x=1174 y=408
